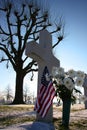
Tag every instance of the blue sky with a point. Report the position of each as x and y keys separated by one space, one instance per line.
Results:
x=72 y=51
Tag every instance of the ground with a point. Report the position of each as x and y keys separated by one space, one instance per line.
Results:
x=10 y=115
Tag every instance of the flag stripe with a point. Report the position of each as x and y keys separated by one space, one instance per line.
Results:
x=47 y=107
x=48 y=100
x=40 y=95
x=38 y=101
x=42 y=92
x=45 y=96
x=46 y=93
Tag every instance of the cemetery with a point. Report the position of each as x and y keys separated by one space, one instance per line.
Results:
x=22 y=116
x=74 y=117
x=29 y=32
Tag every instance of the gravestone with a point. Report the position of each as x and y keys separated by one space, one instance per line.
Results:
x=42 y=53
x=85 y=89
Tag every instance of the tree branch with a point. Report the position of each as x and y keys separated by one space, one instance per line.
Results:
x=29 y=66
x=59 y=39
x=9 y=28
x=10 y=57
x=3 y=32
x=32 y=70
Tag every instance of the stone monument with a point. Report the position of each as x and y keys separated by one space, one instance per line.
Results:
x=85 y=89
x=42 y=53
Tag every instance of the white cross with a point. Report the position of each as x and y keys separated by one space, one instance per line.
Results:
x=85 y=89
x=42 y=53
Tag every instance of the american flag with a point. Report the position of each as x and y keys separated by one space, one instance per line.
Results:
x=45 y=95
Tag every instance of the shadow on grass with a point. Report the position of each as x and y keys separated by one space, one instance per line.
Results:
x=74 y=125
x=7 y=121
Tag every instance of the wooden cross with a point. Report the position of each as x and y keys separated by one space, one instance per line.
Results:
x=42 y=53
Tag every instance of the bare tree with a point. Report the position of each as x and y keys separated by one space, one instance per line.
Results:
x=8 y=94
x=21 y=22
x=26 y=93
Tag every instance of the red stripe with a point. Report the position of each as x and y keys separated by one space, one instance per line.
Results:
x=38 y=101
x=47 y=101
x=42 y=91
x=47 y=107
x=46 y=93
x=44 y=99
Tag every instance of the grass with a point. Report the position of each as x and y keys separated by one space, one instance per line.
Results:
x=78 y=125
x=7 y=120
x=74 y=125
x=10 y=108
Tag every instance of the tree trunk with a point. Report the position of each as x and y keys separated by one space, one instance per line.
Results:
x=19 y=89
